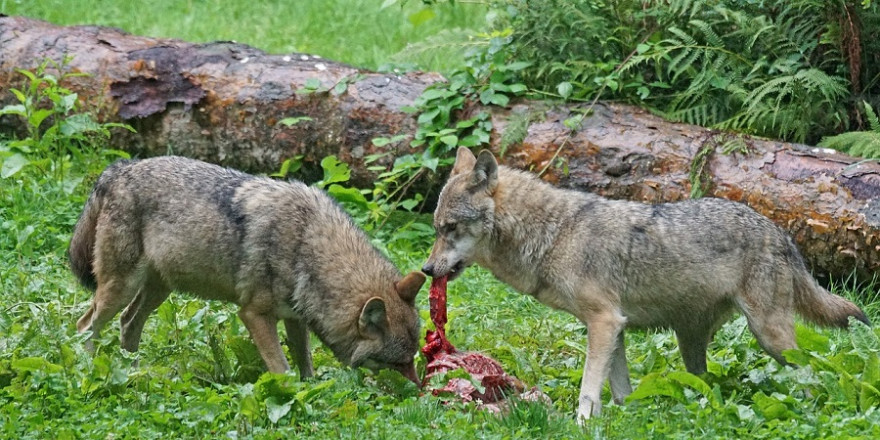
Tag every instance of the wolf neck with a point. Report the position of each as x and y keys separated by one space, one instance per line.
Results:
x=345 y=270
x=529 y=215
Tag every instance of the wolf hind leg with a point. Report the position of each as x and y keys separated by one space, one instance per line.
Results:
x=692 y=345
x=769 y=308
x=774 y=331
x=148 y=299
x=603 y=329
x=110 y=297
x=299 y=344
x=618 y=377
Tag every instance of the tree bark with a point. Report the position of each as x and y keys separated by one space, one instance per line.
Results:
x=222 y=101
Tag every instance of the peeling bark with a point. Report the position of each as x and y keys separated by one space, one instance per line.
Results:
x=222 y=101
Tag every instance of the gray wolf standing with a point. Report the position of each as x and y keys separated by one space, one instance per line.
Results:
x=281 y=251
x=615 y=264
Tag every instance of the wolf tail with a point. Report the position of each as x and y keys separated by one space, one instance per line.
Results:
x=821 y=306
x=82 y=245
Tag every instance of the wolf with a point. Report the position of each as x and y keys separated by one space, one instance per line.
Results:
x=614 y=264
x=279 y=250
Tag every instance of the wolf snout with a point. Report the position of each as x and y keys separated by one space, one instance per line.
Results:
x=428 y=269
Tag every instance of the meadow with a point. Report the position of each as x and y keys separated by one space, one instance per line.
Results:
x=199 y=376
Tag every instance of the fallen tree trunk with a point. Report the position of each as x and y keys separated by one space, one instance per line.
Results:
x=222 y=101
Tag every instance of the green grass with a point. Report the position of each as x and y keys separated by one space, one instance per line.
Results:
x=357 y=32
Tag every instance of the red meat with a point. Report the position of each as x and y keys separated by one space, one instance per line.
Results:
x=443 y=357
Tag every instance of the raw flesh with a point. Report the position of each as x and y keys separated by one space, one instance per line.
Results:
x=443 y=357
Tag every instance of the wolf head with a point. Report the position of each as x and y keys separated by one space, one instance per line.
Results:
x=388 y=330
x=465 y=213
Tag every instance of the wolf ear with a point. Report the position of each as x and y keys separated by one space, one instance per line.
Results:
x=486 y=171
x=409 y=286
x=373 y=320
x=464 y=161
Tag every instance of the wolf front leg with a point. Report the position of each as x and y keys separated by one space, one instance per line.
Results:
x=263 y=328
x=298 y=342
x=603 y=328
x=618 y=378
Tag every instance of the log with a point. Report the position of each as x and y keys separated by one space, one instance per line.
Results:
x=222 y=101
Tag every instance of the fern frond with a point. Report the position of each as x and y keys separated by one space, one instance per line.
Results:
x=858 y=143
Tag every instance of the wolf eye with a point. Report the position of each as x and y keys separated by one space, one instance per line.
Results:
x=450 y=227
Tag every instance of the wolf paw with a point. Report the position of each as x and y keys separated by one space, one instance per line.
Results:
x=588 y=408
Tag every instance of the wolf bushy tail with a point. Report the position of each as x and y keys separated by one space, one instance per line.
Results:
x=821 y=306
x=82 y=245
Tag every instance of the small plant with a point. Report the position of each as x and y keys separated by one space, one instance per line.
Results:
x=55 y=126
x=858 y=143
x=449 y=117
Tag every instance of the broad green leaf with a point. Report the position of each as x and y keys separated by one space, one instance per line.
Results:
x=811 y=340
x=466 y=123
x=313 y=390
x=78 y=124
x=18 y=95
x=515 y=66
x=871 y=373
x=428 y=116
x=70 y=183
x=431 y=163
x=694 y=382
x=797 y=357
x=486 y=96
x=564 y=88
x=67 y=103
x=431 y=94
x=408 y=204
x=347 y=195
x=421 y=17
x=657 y=384
x=340 y=88
x=30 y=75
x=864 y=339
x=851 y=389
x=291 y=165
x=13 y=164
x=14 y=110
x=35 y=364
x=771 y=407
x=334 y=171
x=469 y=141
x=450 y=140
x=381 y=141
x=869 y=397
x=249 y=407
x=276 y=408
x=499 y=99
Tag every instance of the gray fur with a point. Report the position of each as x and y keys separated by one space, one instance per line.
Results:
x=280 y=250
x=613 y=264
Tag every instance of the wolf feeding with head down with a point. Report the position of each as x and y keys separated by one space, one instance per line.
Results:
x=279 y=250
x=614 y=264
